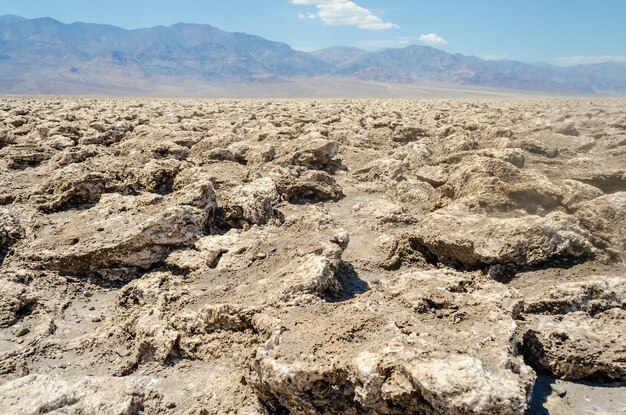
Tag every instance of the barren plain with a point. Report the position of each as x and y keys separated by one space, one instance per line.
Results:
x=172 y=256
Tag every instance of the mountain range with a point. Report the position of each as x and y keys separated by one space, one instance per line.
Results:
x=45 y=56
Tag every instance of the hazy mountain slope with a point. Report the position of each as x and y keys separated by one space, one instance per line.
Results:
x=46 y=56
x=199 y=51
x=340 y=56
x=607 y=76
x=416 y=63
x=409 y=64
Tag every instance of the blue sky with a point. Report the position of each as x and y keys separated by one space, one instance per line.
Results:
x=554 y=31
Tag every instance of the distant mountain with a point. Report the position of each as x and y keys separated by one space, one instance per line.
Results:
x=418 y=63
x=340 y=56
x=412 y=64
x=607 y=76
x=202 y=52
x=46 y=56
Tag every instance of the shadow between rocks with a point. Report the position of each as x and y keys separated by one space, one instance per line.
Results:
x=116 y=276
x=539 y=395
x=350 y=282
x=308 y=197
x=505 y=273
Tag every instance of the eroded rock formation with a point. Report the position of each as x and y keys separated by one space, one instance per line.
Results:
x=196 y=256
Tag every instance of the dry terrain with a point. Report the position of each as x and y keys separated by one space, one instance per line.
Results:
x=163 y=256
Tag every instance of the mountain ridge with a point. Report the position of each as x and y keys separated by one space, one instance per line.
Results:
x=35 y=50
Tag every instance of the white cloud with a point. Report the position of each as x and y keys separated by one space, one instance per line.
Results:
x=582 y=60
x=345 y=13
x=433 y=39
x=307 y=15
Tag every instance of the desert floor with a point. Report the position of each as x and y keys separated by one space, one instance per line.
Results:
x=189 y=256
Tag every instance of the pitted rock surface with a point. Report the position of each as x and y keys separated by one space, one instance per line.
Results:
x=166 y=256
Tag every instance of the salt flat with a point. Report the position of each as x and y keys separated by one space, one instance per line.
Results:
x=429 y=256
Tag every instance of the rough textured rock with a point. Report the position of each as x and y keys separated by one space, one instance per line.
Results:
x=396 y=359
x=408 y=133
x=251 y=204
x=605 y=216
x=10 y=231
x=577 y=346
x=381 y=169
x=609 y=180
x=40 y=393
x=312 y=151
x=514 y=156
x=25 y=155
x=15 y=299
x=120 y=232
x=568 y=129
x=576 y=329
x=594 y=295
x=6 y=137
x=457 y=237
x=173 y=256
x=575 y=192
x=311 y=185
x=491 y=185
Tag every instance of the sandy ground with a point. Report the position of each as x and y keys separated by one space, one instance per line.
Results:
x=297 y=88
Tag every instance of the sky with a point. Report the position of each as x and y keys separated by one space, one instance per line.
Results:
x=554 y=31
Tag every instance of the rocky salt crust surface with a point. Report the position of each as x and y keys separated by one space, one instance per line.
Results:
x=346 y=257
